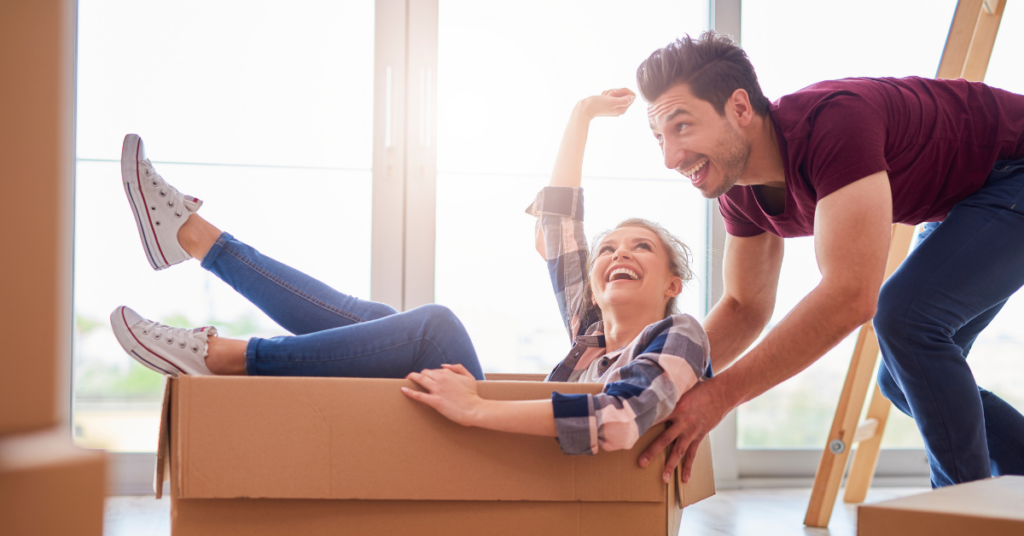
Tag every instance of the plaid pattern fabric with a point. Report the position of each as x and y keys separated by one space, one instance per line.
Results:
x=644 y=380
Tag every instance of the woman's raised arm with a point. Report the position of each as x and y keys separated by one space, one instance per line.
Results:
x=569 y=163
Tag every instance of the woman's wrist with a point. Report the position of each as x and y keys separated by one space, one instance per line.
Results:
x=476 y=413
x=582 y=109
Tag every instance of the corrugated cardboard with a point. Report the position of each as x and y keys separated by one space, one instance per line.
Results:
x=355 y=456
x=48 y=487
x=37 y=43
x=992 y=507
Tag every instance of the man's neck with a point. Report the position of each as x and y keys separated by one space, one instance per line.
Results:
x=764 y=167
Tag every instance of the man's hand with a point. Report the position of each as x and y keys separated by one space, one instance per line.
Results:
x=698 y=411
x=612 y=103
x=451 y=390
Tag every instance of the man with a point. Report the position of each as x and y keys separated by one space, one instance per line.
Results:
x=843 y=160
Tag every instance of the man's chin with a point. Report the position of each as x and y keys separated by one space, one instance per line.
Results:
x=719 y=191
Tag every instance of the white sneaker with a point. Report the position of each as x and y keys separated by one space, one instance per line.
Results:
x=160 y=209
x=167 y=350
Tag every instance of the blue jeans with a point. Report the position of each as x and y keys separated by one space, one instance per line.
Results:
x=929 y=314
x=335 y=334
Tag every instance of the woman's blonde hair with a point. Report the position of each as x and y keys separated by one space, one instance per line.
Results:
x=679 y=258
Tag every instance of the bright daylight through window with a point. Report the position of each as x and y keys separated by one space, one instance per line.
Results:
x=503 y=100
x=262 y=110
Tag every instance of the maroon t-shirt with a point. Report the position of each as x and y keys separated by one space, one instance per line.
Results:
x=938 y=139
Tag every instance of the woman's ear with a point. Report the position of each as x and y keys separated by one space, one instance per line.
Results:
x=675 y=287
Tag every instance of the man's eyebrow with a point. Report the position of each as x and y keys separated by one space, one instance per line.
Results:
x=671 y=116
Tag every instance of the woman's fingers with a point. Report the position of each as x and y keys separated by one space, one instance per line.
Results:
x=457 y=368
x=618 y=92
x=426 y=398
x=423 y=380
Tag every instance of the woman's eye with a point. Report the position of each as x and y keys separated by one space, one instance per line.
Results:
x=644 y=245
x=604 y=249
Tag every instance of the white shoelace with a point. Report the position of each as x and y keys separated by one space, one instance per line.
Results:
x=173 y=196
x=182 y=337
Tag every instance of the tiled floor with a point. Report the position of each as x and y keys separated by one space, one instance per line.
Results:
x=761 y=512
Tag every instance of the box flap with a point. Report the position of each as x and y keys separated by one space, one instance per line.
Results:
x=163 y=461
x=347 y=438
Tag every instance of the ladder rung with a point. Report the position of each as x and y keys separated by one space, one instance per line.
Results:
x=866 y=430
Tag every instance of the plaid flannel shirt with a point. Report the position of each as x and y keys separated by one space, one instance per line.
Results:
x=642 y=381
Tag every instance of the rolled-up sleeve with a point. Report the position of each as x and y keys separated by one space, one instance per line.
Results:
x=559 y=213
x=671 y=356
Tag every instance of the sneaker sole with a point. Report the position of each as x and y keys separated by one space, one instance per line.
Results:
x=146 y=357
x=133 y=190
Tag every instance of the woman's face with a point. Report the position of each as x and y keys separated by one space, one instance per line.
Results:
x=630 y=269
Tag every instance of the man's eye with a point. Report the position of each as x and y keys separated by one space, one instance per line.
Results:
x=681 y=126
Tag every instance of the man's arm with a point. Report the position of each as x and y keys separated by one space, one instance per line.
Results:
x=852 y=227
x=751 y=275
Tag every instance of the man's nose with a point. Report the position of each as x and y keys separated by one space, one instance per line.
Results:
x=673 y=155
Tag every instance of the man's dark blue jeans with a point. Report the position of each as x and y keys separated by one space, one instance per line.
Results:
x=929 y=314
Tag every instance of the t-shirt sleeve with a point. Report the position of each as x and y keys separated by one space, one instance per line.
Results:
x=736 y=223
x=846 y=143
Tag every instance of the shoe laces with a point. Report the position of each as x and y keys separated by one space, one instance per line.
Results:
x=173 y=197
x=180 y=337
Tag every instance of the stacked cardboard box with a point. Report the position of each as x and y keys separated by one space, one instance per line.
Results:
x=262 y=456
x=46 y=485
x=993 y=507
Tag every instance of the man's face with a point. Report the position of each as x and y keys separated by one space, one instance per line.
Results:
x=697 y=141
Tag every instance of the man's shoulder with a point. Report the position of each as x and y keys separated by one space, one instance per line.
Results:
x=834 y=100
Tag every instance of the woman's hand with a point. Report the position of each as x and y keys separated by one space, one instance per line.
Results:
x=613 y=102
x=451 y=390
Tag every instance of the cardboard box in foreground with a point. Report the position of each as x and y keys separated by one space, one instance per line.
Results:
x=992 y=507
x=269 y=456
x=49 y=487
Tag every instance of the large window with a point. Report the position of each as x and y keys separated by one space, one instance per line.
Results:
x=261 y=110
x=508 y=77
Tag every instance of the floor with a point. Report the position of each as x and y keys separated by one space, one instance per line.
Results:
x=763 y=512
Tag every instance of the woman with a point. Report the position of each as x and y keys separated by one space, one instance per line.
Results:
x=620 y=297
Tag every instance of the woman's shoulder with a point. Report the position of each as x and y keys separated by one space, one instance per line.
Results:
x=677 y=328
x=678 y=322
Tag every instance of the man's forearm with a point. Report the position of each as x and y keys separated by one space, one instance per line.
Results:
x=819 y=322
x=731 y=329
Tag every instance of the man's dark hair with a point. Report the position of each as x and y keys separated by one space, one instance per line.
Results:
x=712 y=66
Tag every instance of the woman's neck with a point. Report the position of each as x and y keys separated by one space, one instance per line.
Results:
x=620 y=329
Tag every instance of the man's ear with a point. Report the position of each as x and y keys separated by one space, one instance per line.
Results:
x=738 y=106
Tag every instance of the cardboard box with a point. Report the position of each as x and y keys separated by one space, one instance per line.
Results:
x=49 y=487
x=37 y=51
x=992 y=507
x=270 y=456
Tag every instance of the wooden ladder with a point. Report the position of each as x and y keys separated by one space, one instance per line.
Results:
x=968 y=48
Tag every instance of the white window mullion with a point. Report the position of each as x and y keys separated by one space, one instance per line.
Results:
x=725 y=19
x=421 y=153
x=389 y=153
